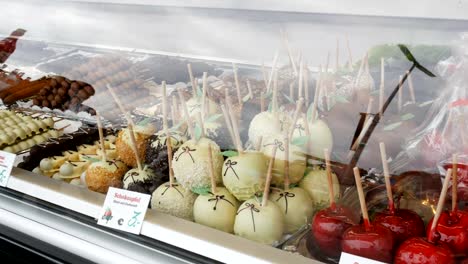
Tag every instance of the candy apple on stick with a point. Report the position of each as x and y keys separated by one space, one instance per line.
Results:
x=427 y=250
x=402 y=222
x=244 y=174
x=329 y=224
x=453 y=226
x=262 y=222
x=170 y=197
x=295 y=202
x=369 y=240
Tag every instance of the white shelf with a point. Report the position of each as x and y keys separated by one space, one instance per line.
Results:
x=187 y=235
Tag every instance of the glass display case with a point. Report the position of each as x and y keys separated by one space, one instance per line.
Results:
x=252 y=125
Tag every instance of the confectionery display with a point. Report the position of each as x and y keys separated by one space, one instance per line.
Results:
x=313 y=160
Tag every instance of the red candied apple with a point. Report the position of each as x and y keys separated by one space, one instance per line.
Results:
x=329 y=224
x=419 y=250
x=453 y=232
x=327 y=229
x=428 y=250
x=372 y=241
x=402 y=222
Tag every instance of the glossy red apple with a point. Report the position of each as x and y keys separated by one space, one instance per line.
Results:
x=453 y=231
x=328 y=226
x=369 y=241
x=420 y=250
x=403 y=223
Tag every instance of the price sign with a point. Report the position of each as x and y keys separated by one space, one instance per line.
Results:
x=347 y=258
x=124 y=210
x=6 y=165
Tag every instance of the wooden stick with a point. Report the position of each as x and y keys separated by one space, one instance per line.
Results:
x=440 y=206
x=350 y=57
x=286 y=162
x=235 y=129
x=164 y=105
x=307 y=131
x=174 y=110
x=169 y=157
x=386 y=171
x=331 y=192
x=262 y=102
x=133 y=141
x=274 y=102
x=265 y=78
x=211 y=170
x=361 y=69
x=400 y=94
x=382 y=86
x=299 y=104
x=249 y=88
x=318 y=84
x=411 y=87
x=270 y=79
x=290 y=55
x=117 y=100
x=236 y=80
x=369 y=107
x=367 y=64
x=266 y=191
x=337 y=62
x=204 y=94
x=301 y=80
x=228 y=124
x=186 y=114
x=101 y=137
x=259 y=143
x=328 y=62
x=306 y=85
x=454 y=182
x=200 y=123
x=192 y=79
x=291 y=90
x=362 y=198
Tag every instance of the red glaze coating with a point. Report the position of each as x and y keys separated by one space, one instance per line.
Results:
x=418 y=250
x=375 y=242
x=453 y=232
x=403 y=224
x=328 y=226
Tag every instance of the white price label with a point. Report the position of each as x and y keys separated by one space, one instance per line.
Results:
x=124 y=210
x=347 y=258
x=6 y=165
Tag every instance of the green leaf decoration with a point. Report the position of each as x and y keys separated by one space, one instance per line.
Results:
x=246 y=98
x=270 y=107
x=198 y=132
x=407 y=116
x=199 y=92
x=144 y=122
x=293 y=185
x=289 y=99
x=426 y=71
x=202 y=190
x=375 y=92
x=88 y=158
x=229 y=153
x=300 y=141
x=340 y=99
x=392 y=126
x=309 y=112
x=213 y=118
x=269 y=94
x=407 y=53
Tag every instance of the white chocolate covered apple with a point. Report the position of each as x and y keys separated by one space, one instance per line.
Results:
x=316 y=184
x=216 y=210
x=264 y=124
x=320 y=136
x=174 y=200
x=190 y=163
x=296 y=205
x=245 y=174
x=263 y=224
